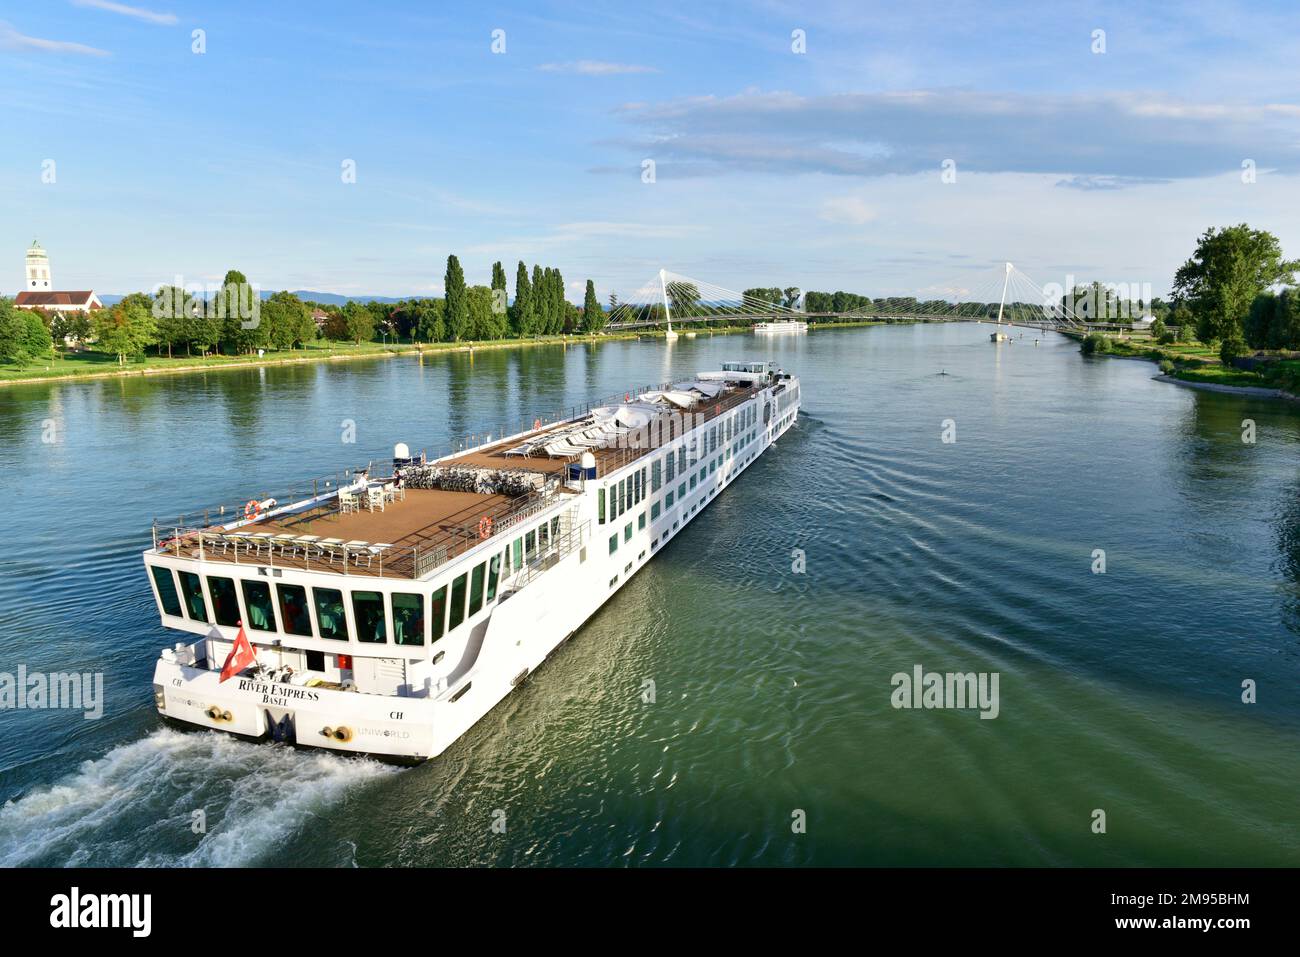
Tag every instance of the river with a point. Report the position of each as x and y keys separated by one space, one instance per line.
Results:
x=860 y=547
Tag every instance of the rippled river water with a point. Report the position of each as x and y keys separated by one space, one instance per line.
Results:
x=1119 y=691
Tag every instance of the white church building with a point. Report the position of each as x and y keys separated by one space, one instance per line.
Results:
x=39 y=292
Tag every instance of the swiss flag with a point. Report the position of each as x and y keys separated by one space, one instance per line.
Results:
x=240 y=657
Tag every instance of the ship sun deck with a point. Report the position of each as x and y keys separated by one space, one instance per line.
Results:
x=417 y=529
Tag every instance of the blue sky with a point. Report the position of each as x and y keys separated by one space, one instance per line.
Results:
x=820 y=169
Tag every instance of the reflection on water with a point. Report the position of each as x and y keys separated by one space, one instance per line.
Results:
x=1119 y=691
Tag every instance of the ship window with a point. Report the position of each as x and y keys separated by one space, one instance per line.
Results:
x=329 y=613
x=542 y=537
x=681 y=490
x=640 y=521
x=476 y=588
x=368 y=611
x=671 y=466
x=225 y=603
x=171 y=601
x=261 y=609
x=494 y=573
x=457 y=614
x=600 y=506
x=555 y=528
x=519 y=554
x=293 y=610
x=681 y=459
x=408 y=618
x=627 y=532
x=654 y=511
x=195 y=606
x=622 y=497
x=530 y=543
x=668 y=499
x=315 y=661
x=656 y=475
x=438 y=612
x=613 y=543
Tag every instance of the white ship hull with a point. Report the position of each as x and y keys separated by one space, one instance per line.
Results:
x=413 y=703
x=781 y=327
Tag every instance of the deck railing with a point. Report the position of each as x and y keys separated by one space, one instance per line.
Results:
x=410 y=559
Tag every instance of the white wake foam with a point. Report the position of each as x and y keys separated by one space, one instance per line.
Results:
x=134 y=806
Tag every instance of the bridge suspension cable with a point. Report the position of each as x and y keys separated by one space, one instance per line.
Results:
x=671 y=296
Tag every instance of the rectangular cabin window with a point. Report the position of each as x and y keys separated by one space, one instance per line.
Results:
x=654 y=511
x=494 y=574
x=476 y=588
x=315 y=661
x=167 y=594
x=519 y=554
x=457 y=614
x=225 y=603
x=555 y=528
x=330 y=617
x=192 y=588
x=622 y=497
x=438 y=613
x=627 y=532
x=368 y=612
x=408 y=618
x=681 y=459
x=692 y=481
x=656 y=475
x=681 y=490
x=293 y=610
x=640 y=521
x=668 y=499
x=600 y=506
x=671 y=466
x=613 y=543
x=530 y=544
x=261 y=609
x=543 y=536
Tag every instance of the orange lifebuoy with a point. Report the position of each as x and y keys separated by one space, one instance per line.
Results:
x=252 y=509
x=485 y=527
x=537 y=423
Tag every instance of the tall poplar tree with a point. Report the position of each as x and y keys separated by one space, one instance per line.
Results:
x=457 y=312
x=593 y=317
x=523 y=318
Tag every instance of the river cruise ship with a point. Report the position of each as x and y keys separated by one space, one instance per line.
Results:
x=781 y=326
x=386 y=610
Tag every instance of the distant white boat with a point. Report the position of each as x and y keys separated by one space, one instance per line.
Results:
x=781 y=326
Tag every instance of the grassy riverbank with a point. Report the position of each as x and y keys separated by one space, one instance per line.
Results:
x=1195 y=362
x=97 y=365
x=94 y=365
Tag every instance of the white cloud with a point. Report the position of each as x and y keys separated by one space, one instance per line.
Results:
x=12 y=39
x=595 y=68
x=1102 y=140
x=139 y=13
x=851 y=210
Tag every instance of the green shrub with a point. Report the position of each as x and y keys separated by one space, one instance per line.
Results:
x=1166 y=339
x=1094 y=343
x=1234 y=347
x=1166 y=367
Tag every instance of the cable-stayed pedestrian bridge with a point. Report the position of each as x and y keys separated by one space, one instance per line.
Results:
x=1003 y=295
